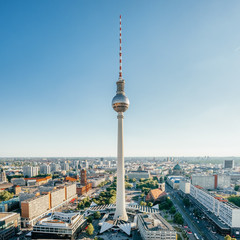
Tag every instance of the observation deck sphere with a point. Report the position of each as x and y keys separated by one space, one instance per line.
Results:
x=120 y=103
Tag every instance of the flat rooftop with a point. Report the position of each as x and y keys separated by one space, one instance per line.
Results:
x=155 y=222
x=58 y=219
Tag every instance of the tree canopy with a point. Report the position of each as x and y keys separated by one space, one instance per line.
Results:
x=5 y=195
x=178 y=218
x=90 y=229
x=234 y=200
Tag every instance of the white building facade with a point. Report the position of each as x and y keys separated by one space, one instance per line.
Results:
x=184 y=186
x=212 y=181
x=227 y=212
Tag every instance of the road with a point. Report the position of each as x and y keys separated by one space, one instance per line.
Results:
x=201 y=228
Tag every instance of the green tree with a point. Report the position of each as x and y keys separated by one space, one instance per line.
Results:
x=112 y=200
x=97 y=215
x=178 y=218
x=235 y=200
x=227 y=238
x=186 y=202
x=128 y=185
x=161 y=180
x=236 y=188
x=89 y=219
x=5 y=195
x=142 y=203
x=90 y=229
x=150 y=204
x=155 y=178
x=14 y=176
x=173 y=210
x=179 y=237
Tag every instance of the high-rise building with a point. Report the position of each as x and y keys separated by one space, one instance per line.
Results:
x=55 y=167
x=30 y=171
x=2 y=176
x=83 y=177
x=35 y=171
x=228 y=164
x=120 y=104
x=65 y=166
x=86 y=164
x=45 y=169
x=211 y=181
x=76 y=165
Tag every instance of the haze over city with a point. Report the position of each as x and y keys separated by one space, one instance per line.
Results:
x=59 y=67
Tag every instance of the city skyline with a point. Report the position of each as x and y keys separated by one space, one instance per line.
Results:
x=60 y=62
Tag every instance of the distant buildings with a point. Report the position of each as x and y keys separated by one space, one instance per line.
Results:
x=84 y=177
x=174 y=181
x=30 y=171
x=177 y=170
x=212 y=181
x=3 y=177
x=10 y=225
x=138 y=174
x=184 y=186
x=96 y=181
x=59 y=226
x=54 y=167
x=18 y=181
x=37 y=180
x=86 y=164
x=228 y=164
x=45 y=169
x=84 y=187
x=155 y=227
x=65 y=166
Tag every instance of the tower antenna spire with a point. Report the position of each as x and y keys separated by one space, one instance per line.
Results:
x=120 y=49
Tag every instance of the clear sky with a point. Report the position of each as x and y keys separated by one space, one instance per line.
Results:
x=59 y=65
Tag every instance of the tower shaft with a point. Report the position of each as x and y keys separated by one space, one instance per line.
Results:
x=120 y=212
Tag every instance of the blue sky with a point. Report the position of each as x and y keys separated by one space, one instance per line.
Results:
x=59 y=65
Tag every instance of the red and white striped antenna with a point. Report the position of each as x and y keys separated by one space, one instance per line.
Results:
x=120 y=50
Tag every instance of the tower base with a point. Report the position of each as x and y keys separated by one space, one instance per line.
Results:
x=121 y=216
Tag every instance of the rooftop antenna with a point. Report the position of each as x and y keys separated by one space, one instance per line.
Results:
x=120 y=50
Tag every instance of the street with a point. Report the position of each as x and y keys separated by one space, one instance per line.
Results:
x=199 y=226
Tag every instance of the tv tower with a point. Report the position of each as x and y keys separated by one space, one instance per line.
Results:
x=120 y=104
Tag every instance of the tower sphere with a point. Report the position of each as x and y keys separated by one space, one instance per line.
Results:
x=120 y=103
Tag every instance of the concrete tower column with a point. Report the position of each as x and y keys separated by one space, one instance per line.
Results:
x=120 y=212
x=120 y=104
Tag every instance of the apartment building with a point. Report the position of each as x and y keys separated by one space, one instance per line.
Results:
x=184 y=186
x=30 y=171
x=227 y=212
x=212 y=181
x=45 y=169
x=43 y=203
